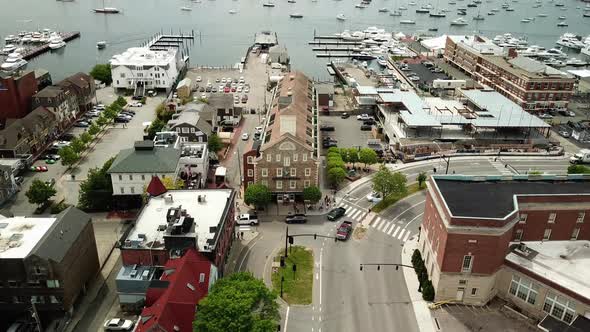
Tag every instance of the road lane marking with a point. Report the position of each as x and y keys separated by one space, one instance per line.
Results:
x=416 y=217
x=375 y=225
x=287 y=318
x=408 y=209
x=394 y=233
x=375 y=217
x=384 y=226
x=399 y=237
x=321 y=256
x=246 y=253
x=393 y=226
x=357 y=214
x=317 y=276
x=407 y=236
x=350 y=211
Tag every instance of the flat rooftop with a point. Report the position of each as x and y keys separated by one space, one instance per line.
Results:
x=20 y=235
x=207 y=215
x=477 y=44
x=565 y=263
x=494 y=197
x=266 y=38
x=138 y=56
x=525 y=67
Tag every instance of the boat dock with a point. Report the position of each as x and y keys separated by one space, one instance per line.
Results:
x=161 y=41
x=34 y=51
x=336 y=43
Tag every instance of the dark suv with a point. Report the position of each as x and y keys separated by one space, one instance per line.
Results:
x=297 y=218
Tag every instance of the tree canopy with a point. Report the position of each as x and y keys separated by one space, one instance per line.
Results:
x=257 y=195
x=368 y=156
x=578 y=169
x=421 y=178
x=387 y=182
x=335 y=176
x=40 y=192
x=68 y=156
x=97 y=189
x=239 y=303
x=214 y=144
x=312 y=194
x=77 y=145
x=102 y=72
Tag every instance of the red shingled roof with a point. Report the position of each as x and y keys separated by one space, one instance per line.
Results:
x=172 y=303
x=156 y=187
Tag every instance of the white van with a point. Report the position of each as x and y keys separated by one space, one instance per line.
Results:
x=247 y=219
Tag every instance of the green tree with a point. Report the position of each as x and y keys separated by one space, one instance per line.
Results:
x=214 y=144
x=97 y=190
x=120 y=101
x=40 y=192
x=111 y=112
x=335 y=176
x=257 y=195
x=93 y=129
x=353 y=155
x=578 y=169
x=312 y=194
x=163 y=113
x=428 y=291
x=102 y=72
x=77 y=145
x=368 y=156
x=240 y=303
x=102 y=120
x=68 y=156
x=335 y=163
x=85 y=137
x=421 y=178
x=387 y=182
x=155 y=127
x=334 y=150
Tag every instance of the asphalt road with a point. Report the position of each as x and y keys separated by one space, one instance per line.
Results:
x=345 y=298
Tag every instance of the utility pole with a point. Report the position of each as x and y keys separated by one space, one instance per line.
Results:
x=286 y=240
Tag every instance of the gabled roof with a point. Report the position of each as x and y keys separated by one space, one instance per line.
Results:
x=193 y=118
x=174 y=309
x=156 y=187
x=9 y=136
x=157 y=160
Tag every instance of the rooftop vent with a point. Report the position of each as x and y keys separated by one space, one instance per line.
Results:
x=145 y=275
x=168 y=199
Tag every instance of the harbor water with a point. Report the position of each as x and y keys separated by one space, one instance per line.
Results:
x=222 y=37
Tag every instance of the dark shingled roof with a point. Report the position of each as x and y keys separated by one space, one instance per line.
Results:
x=60 y=238
x=494 y=199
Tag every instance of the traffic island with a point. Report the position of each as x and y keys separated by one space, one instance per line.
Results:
x=296 y=276
x=359 y=232
x=392 y=199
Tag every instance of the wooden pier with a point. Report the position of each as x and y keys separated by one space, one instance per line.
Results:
x=34 y=51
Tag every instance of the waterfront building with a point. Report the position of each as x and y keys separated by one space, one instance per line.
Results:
x=532 y=85
x=81 y=85
x=16 y=94
x=524 y=239
x=146 y=69
x=62 y=102
x=46 y=261
x=287 y=159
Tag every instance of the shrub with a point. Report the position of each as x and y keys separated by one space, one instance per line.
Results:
x=427 y=291
x=416 y=257
x=57 y=208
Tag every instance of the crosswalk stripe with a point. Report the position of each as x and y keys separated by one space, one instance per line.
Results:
x=344 y=205
x=395 y=233
x=350 y=211
x=356 y=214
x=376 y=224
x=375 y=217
x=407 y=236
x=384 y=226
x=393 y=226
x=401 y=234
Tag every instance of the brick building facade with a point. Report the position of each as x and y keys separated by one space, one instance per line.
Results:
x=16 y=92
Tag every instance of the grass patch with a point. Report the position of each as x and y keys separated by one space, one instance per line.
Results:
x=297 y=287
x=392 y=199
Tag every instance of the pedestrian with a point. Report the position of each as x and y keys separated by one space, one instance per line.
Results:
x=242 y=235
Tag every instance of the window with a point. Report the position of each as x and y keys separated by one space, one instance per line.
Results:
x=467 y=263
x=524 y=289
x=473 y=291
x=278 y=158
x=201 y=277
x=575 y=234
x=52 y=283
x=132 y=190
x=518 y=235
x=547 y=234
x=264 y=172
x=581 y=216
x=462 y=282
x=560 y=307
x=279 y=184
x=193 y=130
x=185 y=130
x=250 y=173
x=250 y=160
x=37 y=299
x=306 y=183
x=552 y=217
x=287 y=161
x=522 y=218
x=279 y=172
x=264 y=183
x=130 y=177
x=122 y=190
x=292 y=184
x=120 y=177
x=304 y=156
x=308 y=172
x=294 y=156
x=143 y=177
x=293 y=172
x=178 y=130
x=33 y=283
x=269 y=157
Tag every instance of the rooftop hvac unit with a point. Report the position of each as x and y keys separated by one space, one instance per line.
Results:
x=168 y=199
x=133 y=274
x=141 y=236
x=145 y=275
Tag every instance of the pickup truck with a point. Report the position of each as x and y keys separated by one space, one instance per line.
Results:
x=344 y=230
x=582 y=157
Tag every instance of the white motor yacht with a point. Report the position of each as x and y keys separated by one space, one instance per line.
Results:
x=381 y=61
x=13 y=62
x=459 y=22
x=395 y=13
x=26 y=38
x=101 y=44
x=407 y=22
x=553 y=53
x=542 y=15
x=233 y=11
x=383 y=10
x=36 y=37
x=532 y=51
x=186 y=9
x=554 y=62
x=360 y=5
x=570 y=40
x=402 y=8
x=8 y=48
x=56 y=42
x=575 y=62
x=562 y=24
x=10 y=39
x=586 y=50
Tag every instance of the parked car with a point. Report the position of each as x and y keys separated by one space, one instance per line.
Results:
x=247 y=219
x=244 y=99
x=245 y=136
x=129 y=111
x=296 y=218
x=118 y=324
x=364 y=117
x=369 y=122
x=258 y=129
x=51 y=156
x=336 y=213
x=202 y=89
x=19 y=179
x=60 y=144
x=93 y=113
x=121 y=119
x=366 y=127
x=226 y=89
x=81 y=124
x=564 y=133
x=545 y=116
x=137 y=97
x=345 y=115
x=374 y=197
x=344 y=230
x=100 y=107
x=39 y=168
x=325 y=127
x=67 y=137
x=198 y=79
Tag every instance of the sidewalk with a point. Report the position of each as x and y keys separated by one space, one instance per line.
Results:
x=421 y=310
x=239 y=248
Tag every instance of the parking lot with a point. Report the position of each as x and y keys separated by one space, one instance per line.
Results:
x=424 y=73
x=346 y=131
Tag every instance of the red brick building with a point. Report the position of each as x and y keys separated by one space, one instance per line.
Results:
x=472 y=225
x=532 y=85
x=16 y=92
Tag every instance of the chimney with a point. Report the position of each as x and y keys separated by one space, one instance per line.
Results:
x=512 y=52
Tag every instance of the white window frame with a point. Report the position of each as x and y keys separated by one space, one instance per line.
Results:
x=264 y=183
x=250 y=173
x=120 y=177
x=523 y=289
x=295 y=157
x=250 y=160
x=474 y=291
x=279 y=185
x=268 y=157
x=306 y=183
x=522 y=218
x=292 y=184
x=547 y=234
x=264 y=172
x=518 y=234
x=130 y=177
x=555 y=302
x=143 y=177
x=278 y=157
x=293 y=172
x=581 y=216
x=575 y=233
x=552 y=217
x=279 y=172
x=304 y=157
x=467 y=269
x=122 y=190
x=185 y=130
x=132 y=190
x=287 y=161
x=308 y=172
